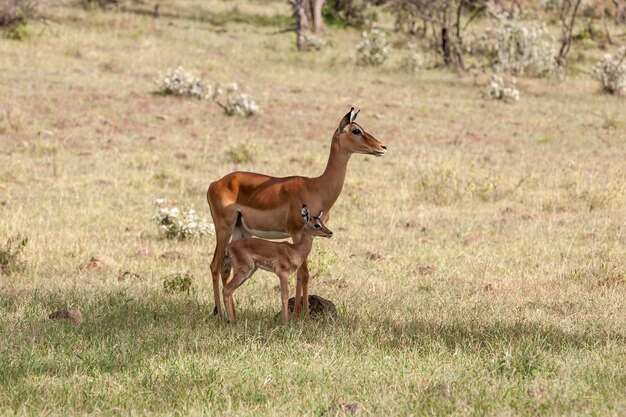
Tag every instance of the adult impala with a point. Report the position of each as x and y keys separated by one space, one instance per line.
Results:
x=249 y=204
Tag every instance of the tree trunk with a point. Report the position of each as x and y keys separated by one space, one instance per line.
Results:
x=318 y=20
x=567 y=27
x=445 y=46
x=300 y=16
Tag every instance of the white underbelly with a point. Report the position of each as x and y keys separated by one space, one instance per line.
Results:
x=264 y=234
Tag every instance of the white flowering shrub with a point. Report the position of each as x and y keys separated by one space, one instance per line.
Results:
x=499 y=90
x=525 y=48
x=238 y=103
x=413 y=61
x=373 y=49
x=180 y=82
x=550 y=4
x=175 y=224
x=611 y=72
x=314 y=43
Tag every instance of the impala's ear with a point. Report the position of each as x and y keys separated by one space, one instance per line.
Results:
x=353 y=115
x=306 y=214
x=347 y=119
x=319 y=216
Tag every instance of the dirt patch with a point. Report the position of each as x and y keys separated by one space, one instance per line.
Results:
x=172 y=255
x=101 y=261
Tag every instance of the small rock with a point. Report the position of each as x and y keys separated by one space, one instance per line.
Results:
x=100 y=261
x=472 y=240
x=426 y=269
x=319 y=307
x=441 y=389
x=124 y=275
x=142 y=253
x=71 y=313
x=172 y=255
x=372 y=256
x=343 y=409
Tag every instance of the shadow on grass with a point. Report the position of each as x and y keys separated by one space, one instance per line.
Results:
x=122 y=333
x=421 y=334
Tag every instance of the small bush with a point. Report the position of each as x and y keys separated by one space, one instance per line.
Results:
x=10 y=254
x=499 y=90
x=179 y=82
x=14 y=16
x=239 y=104
x=314 y=43
x=413 y=61
x=373 y=49
x=525 y=48
x=18 y=32
x=443 y=186
x=14 y=12
x=355 y=13
x=175 y=224
x=611 y=72
x=181 y=282
x=242 y=153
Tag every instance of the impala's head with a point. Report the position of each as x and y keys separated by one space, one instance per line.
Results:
x=315 y=225
x=353 y=138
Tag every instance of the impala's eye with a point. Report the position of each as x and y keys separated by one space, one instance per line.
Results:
x=356 y=132
x=317 y=226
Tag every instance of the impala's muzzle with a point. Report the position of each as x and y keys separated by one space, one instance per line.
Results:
x=381 y=153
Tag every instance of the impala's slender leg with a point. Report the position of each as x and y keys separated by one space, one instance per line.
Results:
x=305 y=290
x=284 y=295
x=302 y=275
x=222 y=237
x=239 y=277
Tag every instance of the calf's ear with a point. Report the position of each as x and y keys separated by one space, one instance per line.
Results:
x=306 y=214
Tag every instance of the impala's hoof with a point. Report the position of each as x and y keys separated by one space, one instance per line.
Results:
x=215 y=311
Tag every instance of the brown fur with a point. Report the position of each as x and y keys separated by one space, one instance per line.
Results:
x=282 y=258
x=271 y=204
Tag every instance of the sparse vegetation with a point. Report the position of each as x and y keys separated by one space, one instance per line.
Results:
x=611 y=72
x=373 y=49
x=314 y=43
x=413 y=61
x=10 y=254
x=242 y=153
x=238 y=103
x=499 y=90
x=180 y=82
x=178 y=282
x=175 y=224
x=525 y=48
x=14 y=17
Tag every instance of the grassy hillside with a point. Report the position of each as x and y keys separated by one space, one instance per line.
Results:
x=479 y=268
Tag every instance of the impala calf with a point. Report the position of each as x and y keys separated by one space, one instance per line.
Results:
x=282 y=258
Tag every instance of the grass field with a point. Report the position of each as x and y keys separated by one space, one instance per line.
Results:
x=479 y=268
